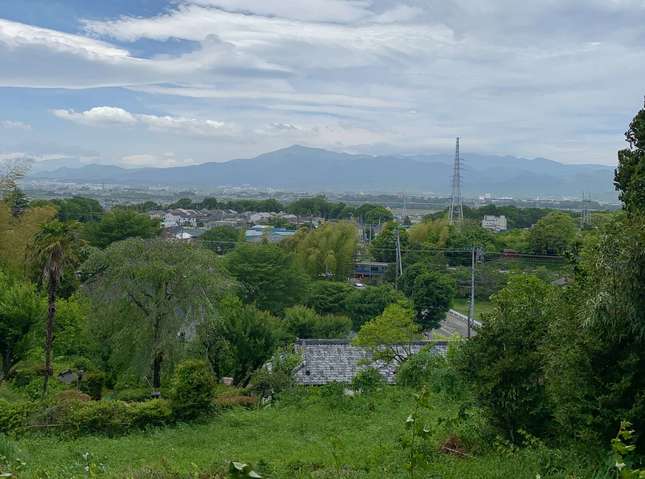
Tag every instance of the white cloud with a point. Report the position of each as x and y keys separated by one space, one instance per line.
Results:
x=99 y=115
x=153 y=160
x=14 y=125
x=552 y=78
x=311 y=10
x=109 y=115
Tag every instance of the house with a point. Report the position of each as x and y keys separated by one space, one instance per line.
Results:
x=370 y=269
x=181 y=217
x=332 y=360
x=189 y=233
x=494 y=223
x=260 y=217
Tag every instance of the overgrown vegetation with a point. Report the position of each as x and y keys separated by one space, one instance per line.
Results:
x=113 y=352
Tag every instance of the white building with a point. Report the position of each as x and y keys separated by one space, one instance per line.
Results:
x=494 y=223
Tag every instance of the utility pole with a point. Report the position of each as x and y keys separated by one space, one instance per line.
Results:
x=471 y=309
x=399 y=262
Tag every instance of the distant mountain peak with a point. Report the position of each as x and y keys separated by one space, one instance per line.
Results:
x=303 y=168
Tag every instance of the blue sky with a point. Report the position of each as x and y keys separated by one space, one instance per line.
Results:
x=163 y=83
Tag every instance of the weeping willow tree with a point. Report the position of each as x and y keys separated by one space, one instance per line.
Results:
x=148 y=297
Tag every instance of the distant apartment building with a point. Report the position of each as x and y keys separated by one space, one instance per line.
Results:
x=494 y=223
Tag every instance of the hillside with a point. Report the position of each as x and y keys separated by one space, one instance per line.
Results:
x=312 y=169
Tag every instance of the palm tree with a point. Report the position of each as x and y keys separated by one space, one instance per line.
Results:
x=55 y=248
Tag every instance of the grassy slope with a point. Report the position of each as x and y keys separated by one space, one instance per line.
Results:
x=356 y=438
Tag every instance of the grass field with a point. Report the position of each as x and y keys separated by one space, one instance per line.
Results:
x=309 y=437
x=461 y=305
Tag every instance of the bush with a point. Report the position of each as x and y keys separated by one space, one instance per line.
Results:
x=115 y=417
x=233 y=401
x=14 y=415
x=303 y=322
x=92 y=384
x=278 y=375
x=71 y=395
x=431 y=369
x=108 y=417
x=132 y=394
x=193 y=389
x=26 y=372
x=368 y=380
x=156 y=412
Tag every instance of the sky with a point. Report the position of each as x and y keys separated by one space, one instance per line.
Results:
x=166 y=83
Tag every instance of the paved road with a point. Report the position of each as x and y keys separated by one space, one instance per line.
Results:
x=455 y=323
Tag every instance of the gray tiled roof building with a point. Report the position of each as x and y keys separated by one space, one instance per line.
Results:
x=329 y=360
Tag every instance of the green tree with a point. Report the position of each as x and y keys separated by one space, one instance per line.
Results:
x=17 y=234
x=147 y=297
x=17 y=201
x=383 y=247
x=221 y=239
x=432 y=295
x=56 y=248
x=269 y=276
x=240 y=339
x=554 y=234
x=304 y=323
x=21 y=310
x=328 y=250
x=629 y=178
x=596 y=358
x=504 y=362
x=365 y=304
x=71 y=324
x=78 y=208
x=389 y=335
x=328 y=297
x=373 y=214
x=193 y=388
x=120 y=224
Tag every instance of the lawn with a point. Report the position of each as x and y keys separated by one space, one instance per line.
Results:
x=309 y=437
x=461 y=305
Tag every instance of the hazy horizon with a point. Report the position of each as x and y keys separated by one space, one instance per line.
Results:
x=175 y=82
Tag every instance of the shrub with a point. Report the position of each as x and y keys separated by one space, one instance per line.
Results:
x=233 y=401
x=193 y=389
x=71 y=395
x=132 y=394
x=93 y=383
x=14 y=415
x=436 y=371
x=109 y=417
x=368 y=380
x=25 y=372
x=277 y=376
x=156 y=412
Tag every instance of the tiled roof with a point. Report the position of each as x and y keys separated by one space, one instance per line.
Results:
x=329 y=360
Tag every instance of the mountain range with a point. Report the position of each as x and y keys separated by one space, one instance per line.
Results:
x=299 y=168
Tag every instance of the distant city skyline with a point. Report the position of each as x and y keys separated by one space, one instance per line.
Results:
x=169 y=83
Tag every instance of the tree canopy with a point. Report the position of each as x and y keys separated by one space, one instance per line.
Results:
x=630 y=174
x=120 y=224
x=152 y=293
x=269 y=276
x=554 y=234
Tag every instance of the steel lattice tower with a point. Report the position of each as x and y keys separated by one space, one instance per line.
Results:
x=456 y=210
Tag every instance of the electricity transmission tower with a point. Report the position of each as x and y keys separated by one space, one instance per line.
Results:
x=585 y=218
x=456 y=210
